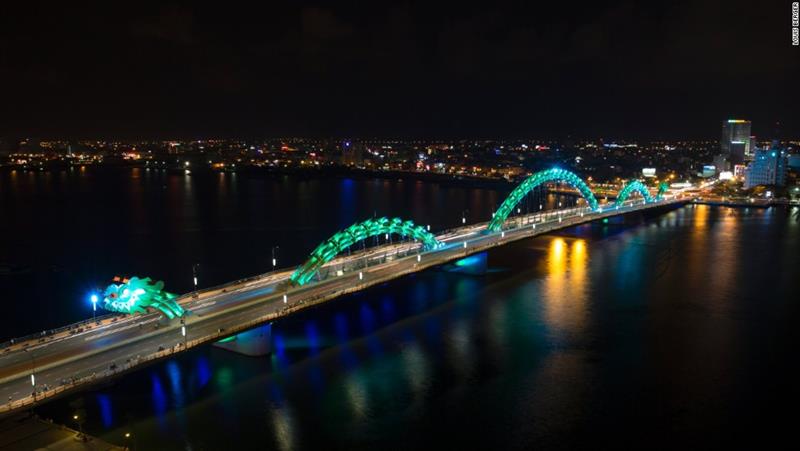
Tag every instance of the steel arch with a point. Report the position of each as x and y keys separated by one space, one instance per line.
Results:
x=629 y=188
x=662 y=188
x=330 y=248
x=546 y=176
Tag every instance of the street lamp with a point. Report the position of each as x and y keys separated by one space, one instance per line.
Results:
x=80 y=426
x=127 y=441
x=274 y=259
x=94 y=306
x=194 y=275
x=33 y=372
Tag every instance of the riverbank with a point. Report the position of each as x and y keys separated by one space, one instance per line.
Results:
x=25 y=432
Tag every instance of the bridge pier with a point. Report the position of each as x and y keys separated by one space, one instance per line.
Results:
x=475 y=264
x=255 y=342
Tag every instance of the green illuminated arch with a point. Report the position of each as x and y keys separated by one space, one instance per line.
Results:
x=547 y=176
x=629 y=188
x=662 y=188
x=334 y=245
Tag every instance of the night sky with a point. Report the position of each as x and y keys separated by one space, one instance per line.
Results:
x=672 y=69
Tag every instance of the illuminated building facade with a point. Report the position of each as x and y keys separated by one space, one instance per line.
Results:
x=735 y=141
x=768 y=168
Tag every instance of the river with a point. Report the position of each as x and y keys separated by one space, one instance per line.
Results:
x=658 y=331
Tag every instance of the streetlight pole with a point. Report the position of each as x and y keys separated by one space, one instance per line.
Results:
x=33 y=373
x=128 y=447
x=94 y=307
x=194 y=278
x=274 y=259
x=80 y=426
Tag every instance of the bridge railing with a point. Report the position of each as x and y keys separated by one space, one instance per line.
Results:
x=50 y=334
x=67 y=384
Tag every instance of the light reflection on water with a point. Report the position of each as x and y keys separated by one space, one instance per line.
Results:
x=564 y=293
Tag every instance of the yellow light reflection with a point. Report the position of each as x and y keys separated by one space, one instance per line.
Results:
x=701 y=216
x=724 y=252
x=566 y=284
x=696 y=253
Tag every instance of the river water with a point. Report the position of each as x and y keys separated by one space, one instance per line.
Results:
x=667 y=330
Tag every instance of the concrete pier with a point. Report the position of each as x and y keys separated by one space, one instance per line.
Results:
x=255 y=342
x=475 y=264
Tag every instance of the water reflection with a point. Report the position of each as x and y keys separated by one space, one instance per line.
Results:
x=356 y=392
x=725 y=247
x=417 y=371
x=203 y=371
x=106 y=414
x=159 y=398
x=565 y=285
x=283 y=427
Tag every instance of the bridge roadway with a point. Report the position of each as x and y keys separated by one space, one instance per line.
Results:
x=71 y=361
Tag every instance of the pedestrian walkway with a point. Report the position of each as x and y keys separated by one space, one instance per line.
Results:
x=26 y=432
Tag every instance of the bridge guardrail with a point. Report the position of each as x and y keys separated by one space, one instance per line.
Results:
x=72 y=383
x=37 y=337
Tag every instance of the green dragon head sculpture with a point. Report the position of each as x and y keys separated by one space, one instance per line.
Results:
x=136 y=295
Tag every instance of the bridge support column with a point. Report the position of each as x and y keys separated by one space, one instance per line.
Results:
x=476 y=264
x=255 y=342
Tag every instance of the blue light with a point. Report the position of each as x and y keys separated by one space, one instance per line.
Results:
x=106 y=413
x=471 y=260
x=94 y=299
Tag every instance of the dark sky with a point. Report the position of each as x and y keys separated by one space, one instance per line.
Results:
x=637 y=69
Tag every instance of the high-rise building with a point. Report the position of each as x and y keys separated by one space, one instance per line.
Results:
x=751 y=148
x=721 y=163
x=768 y=168
x=735 y=141
x=738 y=152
